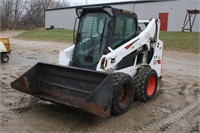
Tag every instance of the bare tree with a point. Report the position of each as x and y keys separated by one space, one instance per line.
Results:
x=6 y=14
x=17 y=14
x=19 y=8
x=1 y=6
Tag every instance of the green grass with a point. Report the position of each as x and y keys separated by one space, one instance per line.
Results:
x=179 y=41
x=47 y=35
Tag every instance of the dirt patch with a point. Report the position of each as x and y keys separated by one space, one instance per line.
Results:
x=174 y=109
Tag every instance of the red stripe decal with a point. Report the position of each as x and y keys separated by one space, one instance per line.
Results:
x=159 y=61
x=128 y=46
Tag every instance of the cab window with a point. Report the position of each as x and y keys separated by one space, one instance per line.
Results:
x=125 y=29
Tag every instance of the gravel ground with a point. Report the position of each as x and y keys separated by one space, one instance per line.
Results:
x=174 y=109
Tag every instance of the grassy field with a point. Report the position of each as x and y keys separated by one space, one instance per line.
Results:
x=179 y=41
x=47 y=35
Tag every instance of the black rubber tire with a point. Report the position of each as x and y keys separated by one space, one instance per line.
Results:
x=125 y=82
x=4 y=58
x=141 y=80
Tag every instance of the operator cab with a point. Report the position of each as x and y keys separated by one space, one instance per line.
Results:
x=98 y=29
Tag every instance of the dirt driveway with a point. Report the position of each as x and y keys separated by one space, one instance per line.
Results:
x=174 y=109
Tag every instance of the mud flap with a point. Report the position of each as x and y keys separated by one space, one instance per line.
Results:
x=75 y=87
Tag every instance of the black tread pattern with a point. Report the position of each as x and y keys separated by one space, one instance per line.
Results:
x=117 y=77
x=139 y=81
x=3 y=55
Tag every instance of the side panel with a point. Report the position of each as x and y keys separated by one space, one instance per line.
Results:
x=157 y=60
x=6 y=43
x=2 y=47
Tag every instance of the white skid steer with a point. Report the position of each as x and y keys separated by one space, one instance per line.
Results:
x=111 y=63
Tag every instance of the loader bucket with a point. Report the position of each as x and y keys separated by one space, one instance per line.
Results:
x=85 y=89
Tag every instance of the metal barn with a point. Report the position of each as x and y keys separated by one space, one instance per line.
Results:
x=172 y=13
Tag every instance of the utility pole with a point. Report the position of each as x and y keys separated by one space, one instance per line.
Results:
x=86 y=2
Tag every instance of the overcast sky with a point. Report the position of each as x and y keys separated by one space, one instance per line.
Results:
x=83 y=2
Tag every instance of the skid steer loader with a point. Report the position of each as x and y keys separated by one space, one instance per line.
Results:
x=4 y=49
x=110 y=64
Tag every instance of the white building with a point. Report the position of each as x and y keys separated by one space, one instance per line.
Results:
x=171 y=13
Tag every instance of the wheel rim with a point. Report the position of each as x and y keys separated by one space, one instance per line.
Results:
x=124 y=96
x=151 y=86
x=5 y=59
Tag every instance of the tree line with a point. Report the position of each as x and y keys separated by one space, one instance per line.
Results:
x=26 y=14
